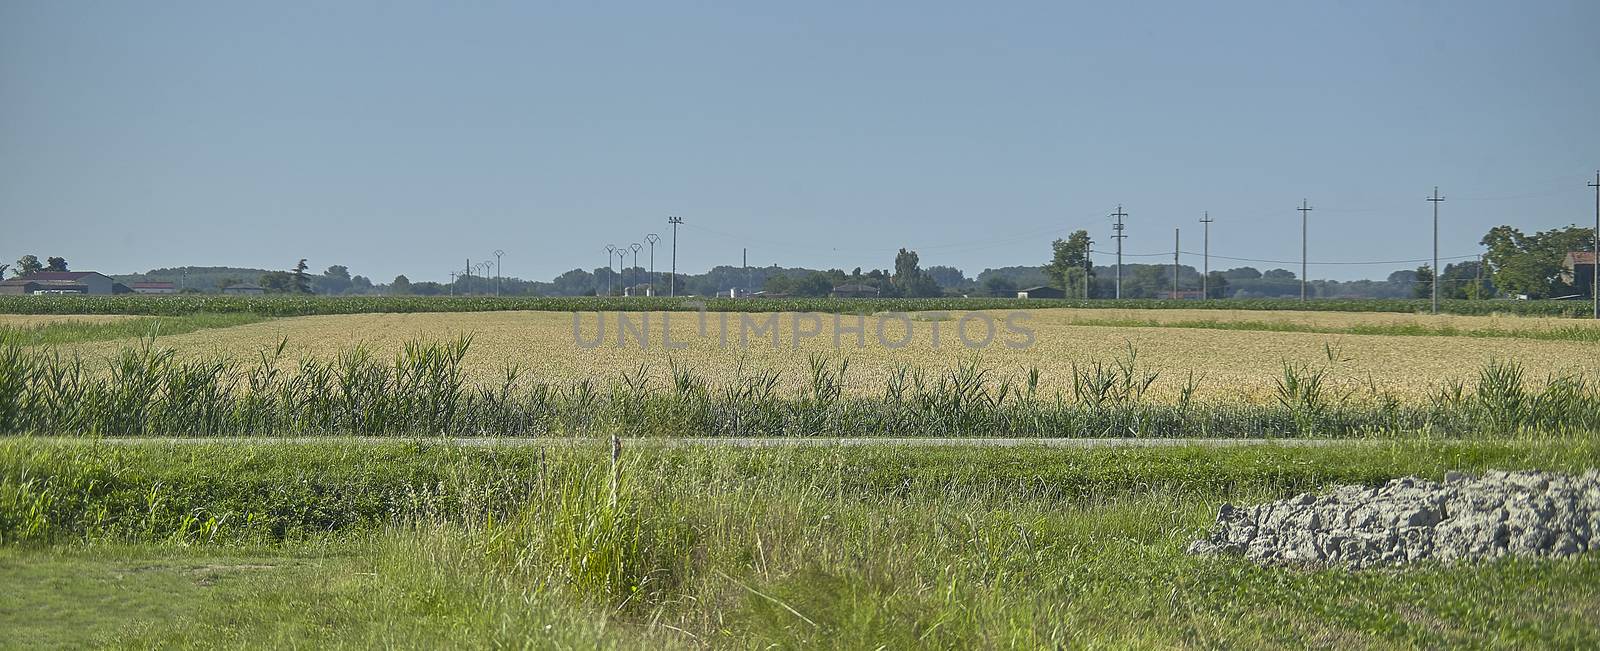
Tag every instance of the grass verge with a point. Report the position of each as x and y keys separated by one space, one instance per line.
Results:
x=415 y=545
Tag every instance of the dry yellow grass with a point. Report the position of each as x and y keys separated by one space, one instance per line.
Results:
x=1230 y=364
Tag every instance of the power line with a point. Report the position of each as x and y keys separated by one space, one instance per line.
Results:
x=1316 y=262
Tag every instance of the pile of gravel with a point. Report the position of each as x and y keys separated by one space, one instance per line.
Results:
x=1410 y=520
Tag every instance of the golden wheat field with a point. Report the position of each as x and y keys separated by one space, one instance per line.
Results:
x=1226 y=364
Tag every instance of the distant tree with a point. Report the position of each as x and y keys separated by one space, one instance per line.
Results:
x=1403 y=277
x=3 y=268
x=1465 y=280
x=55 y=264
x=1422 y=283
x=1000 y=286
x=300 y=280
x=817 y=283
x=401 y=285
x=905 y=265
x=909 y=279
x=1531 y=264
x=1066 y=266
x=336 y=280
x=29 y=265
x=1242 y=273
x=779 y=284
x=1216 y=285
x=361 y=284
x=945 y=276
x=277 y=281
x=1278 y=274
x=227 y=282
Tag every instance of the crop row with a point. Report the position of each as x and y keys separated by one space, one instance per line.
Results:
x=149 y=391
x=283 y=305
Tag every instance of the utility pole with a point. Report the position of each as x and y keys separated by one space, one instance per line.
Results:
x=1477 y=287
x=1435 y=199
x=611 y=250
x=673 y=285
x=621 y=256
x=468 y=289
x=1594 y=289
x=1118 y=236
x=1205 y=273
x=452 y=283
x=1175 y=248
x=1304 y=209
x=652 y=238
x=1088 y=268
x=498 y=271
x=635 y=270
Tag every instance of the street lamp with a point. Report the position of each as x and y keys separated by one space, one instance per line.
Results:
x=497 y=269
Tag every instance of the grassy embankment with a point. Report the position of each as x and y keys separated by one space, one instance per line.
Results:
x=416 y=545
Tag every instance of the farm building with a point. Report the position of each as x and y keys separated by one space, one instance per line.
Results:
x=854 y=291
x=154 y=287
x=61 y=282
x=1042 y=291
x=245 y=289
x=1577 y=269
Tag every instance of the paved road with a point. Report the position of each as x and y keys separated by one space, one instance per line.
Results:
x=746 y=442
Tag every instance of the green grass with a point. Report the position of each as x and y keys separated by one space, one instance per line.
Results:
x=72 y=332
x=286 y=305
x=845 y=548
x=1569 y=333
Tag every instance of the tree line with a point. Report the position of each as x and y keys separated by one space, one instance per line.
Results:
x=1514 y=264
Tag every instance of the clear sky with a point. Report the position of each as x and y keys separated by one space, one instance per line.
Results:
x=406 y=137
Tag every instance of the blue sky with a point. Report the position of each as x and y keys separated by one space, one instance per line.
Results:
x=406 y=137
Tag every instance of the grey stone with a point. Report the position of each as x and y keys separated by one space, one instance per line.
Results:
x=1410 y=519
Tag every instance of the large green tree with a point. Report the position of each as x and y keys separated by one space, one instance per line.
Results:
x=55 y=264
x=1530 y=265
x=909 y=280
x=28 y=265
x=301 y=279
x=1068 y=265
